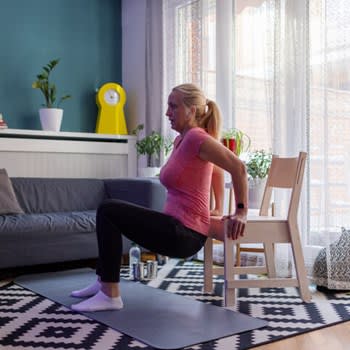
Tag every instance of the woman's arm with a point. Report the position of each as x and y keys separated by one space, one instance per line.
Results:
x=217 y=185
x=213 y=151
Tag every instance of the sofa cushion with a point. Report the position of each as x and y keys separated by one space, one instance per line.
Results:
x=147 y=192
x=8 y=200
x=47 y=195
x=75 y=221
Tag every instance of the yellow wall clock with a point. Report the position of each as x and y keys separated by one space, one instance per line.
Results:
x=110 y=100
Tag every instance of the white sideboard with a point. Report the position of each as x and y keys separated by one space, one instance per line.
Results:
x=35 y=153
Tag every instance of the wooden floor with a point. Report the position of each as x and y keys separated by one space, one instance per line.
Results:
x=329 y=338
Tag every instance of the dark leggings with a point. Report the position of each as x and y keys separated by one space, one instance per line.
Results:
x=155 y=231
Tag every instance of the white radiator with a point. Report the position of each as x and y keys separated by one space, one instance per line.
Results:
x=29 y=153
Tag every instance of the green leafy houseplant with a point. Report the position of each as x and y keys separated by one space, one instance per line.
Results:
x=236 y=140
x=152 y=145
x=258 y=164
x=47 y=87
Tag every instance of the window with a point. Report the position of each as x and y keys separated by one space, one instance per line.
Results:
x=282 y=73
x=329 y=118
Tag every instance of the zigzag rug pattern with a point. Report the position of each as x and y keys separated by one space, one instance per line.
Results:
x=29 y=321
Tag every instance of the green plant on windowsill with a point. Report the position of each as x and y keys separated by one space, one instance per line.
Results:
x=236 y=140
x=48 y=89
x=258 y=164
x=151 y=146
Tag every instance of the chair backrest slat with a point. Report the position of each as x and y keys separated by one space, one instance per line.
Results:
x=285 y=173
x=282 y=172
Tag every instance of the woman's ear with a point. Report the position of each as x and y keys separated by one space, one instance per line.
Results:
x=191 y=112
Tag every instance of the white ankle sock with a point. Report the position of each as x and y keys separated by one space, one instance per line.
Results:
x=99 y=302
x=88 y=291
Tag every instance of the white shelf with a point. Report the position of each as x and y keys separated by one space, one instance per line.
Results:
x=37 y=153
x=23 y=133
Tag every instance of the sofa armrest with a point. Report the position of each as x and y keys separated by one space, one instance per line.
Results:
x=148 y=192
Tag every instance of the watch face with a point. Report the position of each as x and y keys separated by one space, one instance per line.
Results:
x=111 y=97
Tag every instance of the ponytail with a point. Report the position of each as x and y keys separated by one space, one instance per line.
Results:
x=210 y=120
x=208 y=116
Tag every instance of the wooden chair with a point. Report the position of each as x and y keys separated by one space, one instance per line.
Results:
x=284 y=173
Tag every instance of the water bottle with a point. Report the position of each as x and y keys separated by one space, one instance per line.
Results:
x=134 y=258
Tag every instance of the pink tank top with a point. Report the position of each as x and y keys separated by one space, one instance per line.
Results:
x=188 y=180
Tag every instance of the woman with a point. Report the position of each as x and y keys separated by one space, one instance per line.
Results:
x=182 y=229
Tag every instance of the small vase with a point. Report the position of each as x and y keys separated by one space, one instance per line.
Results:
x=51 y=118
x=256 y=191
x=230 y=144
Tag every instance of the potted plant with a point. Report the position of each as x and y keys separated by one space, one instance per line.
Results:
x=51 y=114
x=151 y=146
x=236 y=140
x=258 y=164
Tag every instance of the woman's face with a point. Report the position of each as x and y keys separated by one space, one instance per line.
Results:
x=177 y=112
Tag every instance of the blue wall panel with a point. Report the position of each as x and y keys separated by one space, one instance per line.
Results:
x=85 y=34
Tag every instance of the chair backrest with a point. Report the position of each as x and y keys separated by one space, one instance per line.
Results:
x=285 y=173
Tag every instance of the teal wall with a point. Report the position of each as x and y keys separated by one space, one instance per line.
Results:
x=85 y=34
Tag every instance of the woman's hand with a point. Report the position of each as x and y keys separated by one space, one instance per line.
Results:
x=235 y=225
x=216 y=212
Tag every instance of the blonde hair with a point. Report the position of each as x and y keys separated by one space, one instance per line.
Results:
x=208 y=114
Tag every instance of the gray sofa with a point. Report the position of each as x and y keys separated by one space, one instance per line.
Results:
x=58 y=224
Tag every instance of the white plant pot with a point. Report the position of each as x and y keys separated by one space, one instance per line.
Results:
x=149 y=172
x=256 y=191
x=51 y=118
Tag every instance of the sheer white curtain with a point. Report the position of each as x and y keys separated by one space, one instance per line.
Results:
x=142 y=64
x=189 y=35
x=291 y=120
x=329 y=133
x=271 y=51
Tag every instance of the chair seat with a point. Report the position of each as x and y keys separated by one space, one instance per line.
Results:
x=259 y=219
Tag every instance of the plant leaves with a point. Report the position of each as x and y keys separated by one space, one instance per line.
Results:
x=47 y=88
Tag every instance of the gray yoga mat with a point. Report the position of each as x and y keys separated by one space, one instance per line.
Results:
x=158 y=318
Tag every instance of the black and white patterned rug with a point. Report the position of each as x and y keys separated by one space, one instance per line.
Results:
x=29 y=321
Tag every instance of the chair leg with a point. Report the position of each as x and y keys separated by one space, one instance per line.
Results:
x=229 y=296
x=270 y=259
x=300 y=265
x=238 y=255
x=229 y=276
x=208 y=266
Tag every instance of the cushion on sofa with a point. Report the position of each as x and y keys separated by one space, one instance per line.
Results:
x=8 y=200
x=83 y=221
x=47 y=195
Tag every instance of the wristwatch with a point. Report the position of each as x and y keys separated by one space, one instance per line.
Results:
x=240 y=205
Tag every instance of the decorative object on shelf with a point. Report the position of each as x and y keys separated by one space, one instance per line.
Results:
x=236 y=140
x=258 y=164
x=3 y=124
x=151 y=146
x=51 y=115
x=110 y=99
